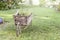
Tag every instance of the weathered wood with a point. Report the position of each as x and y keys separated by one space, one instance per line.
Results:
x=18 y=30
x=21 y=21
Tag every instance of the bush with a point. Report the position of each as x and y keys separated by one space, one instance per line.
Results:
x=2 y=5
x=58 y=7
x=10 y=4
x=6 y=4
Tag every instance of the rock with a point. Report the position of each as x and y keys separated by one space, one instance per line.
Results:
x=1 y=20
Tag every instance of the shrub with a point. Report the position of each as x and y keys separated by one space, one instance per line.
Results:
x=8 y=4
x=2 y=5
x=58 y=7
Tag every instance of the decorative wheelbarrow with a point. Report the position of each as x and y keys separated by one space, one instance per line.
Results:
x=22 y=21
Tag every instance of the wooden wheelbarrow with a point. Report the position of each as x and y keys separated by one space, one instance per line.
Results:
x=22 y=20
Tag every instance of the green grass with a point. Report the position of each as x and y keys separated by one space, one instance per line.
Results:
x=45 y=25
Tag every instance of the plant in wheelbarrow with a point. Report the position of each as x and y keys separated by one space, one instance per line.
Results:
x=22 y=20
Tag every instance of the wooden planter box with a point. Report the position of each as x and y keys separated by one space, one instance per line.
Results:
x=22 y=20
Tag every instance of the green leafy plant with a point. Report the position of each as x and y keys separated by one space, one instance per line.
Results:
x=8 y=4
x=24 y=11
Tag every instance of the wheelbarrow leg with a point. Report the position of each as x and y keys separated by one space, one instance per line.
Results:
x=18 y=29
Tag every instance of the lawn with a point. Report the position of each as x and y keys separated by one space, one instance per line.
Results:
x=45 y=25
